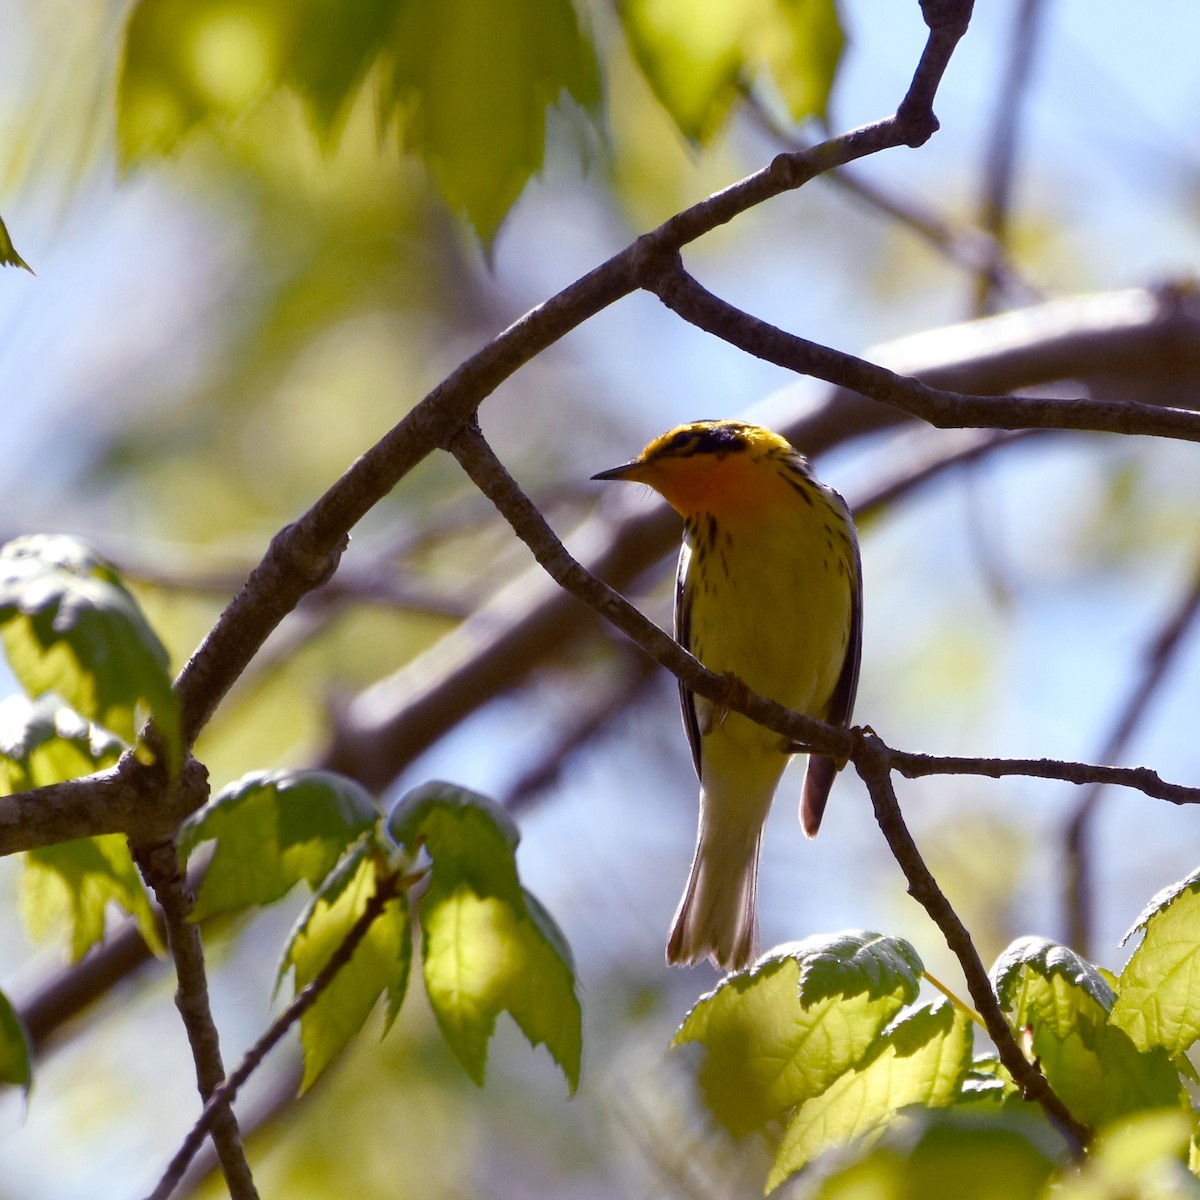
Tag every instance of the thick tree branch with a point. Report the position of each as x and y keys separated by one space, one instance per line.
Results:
x=873 y=762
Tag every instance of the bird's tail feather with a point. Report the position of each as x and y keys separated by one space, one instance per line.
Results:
x=818 y=779
x=718 y=915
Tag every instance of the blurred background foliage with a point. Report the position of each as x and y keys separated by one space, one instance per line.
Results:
x=263 y=230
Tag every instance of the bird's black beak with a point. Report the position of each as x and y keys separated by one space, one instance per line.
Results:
x=625 y=471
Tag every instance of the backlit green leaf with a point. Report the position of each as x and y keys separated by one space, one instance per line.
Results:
x=15 y=1059
x=274 y=829
x=71 y=886
x=1143 y=1157
x=1064 y=1002
x=946 y=1153
x=8 y=252
x=489 y=946
x=471 y=81
x=482 y=957
x=466 y=82
x=71 y=627
x=378 y=966
x=1158 y=1003
x=802 y=1016
x=1039 y=980
x=470 y=838
x=922 y=1059
x=696 y=54
x=44 y=742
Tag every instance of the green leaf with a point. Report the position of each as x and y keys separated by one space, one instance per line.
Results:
x=44 y=742
x=379 y=965
x=8 y=252
x=72 y=884
x=801 y=1017
x=489 y=946
x=1039 y=980
x=470 y=838
x=922 y=1059
x=189 y=61
x=482 y=957
x=334 y=45
x=1158 y=1003
x=696 y=54
x=946 y=1153
x=274 y=829
x=72 y=627
x=1063 y=1001
x=467 y=82
x=16 y=1060
x=470 y=84
x=1143 y=1156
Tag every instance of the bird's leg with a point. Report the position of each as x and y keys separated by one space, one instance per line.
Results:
x=713 y=715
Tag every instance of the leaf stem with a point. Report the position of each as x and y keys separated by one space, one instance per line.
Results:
x=954 y=999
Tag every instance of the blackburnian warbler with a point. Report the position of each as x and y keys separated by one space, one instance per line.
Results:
x=769 y=590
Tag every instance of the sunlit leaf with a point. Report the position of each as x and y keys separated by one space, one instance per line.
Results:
x=44 y=742
x=70 y=626
x=466 y=82
x=1159 y=999
x=378 y=966
x=8 y=252
x=1037 y=979
x=922 y=1059
x=188 y=60
x=696 y=54
x=335 y=43
x=489 y=946
x=948 y=1153
x=274 y=829
x=1142 y=1157
x=470 y=838
x=71 y=885
x=1063 y=1002
x=471 y=82
x=802 y=1016
x=482 y=957
x=15 y=1059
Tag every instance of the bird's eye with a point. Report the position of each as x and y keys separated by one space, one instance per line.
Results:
x=681 y=439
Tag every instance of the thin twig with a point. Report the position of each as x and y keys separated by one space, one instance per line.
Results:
x=1141 y=779
x=872 y=761
x=159 y=865
x=223 y=1094
x=1078 y=886
x=1001 y=153
x=685 y=296
x=577 y=731
x=966 y=247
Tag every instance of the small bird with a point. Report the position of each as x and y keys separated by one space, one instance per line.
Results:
x=769 y=590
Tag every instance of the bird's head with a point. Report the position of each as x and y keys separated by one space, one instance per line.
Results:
x=708 y=466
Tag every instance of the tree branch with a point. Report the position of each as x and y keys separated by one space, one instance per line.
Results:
x=1078 y=889
x=222 y=1095
x=1001 y=152
x=873 y=762
x=681 y=293
x=159 y=865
